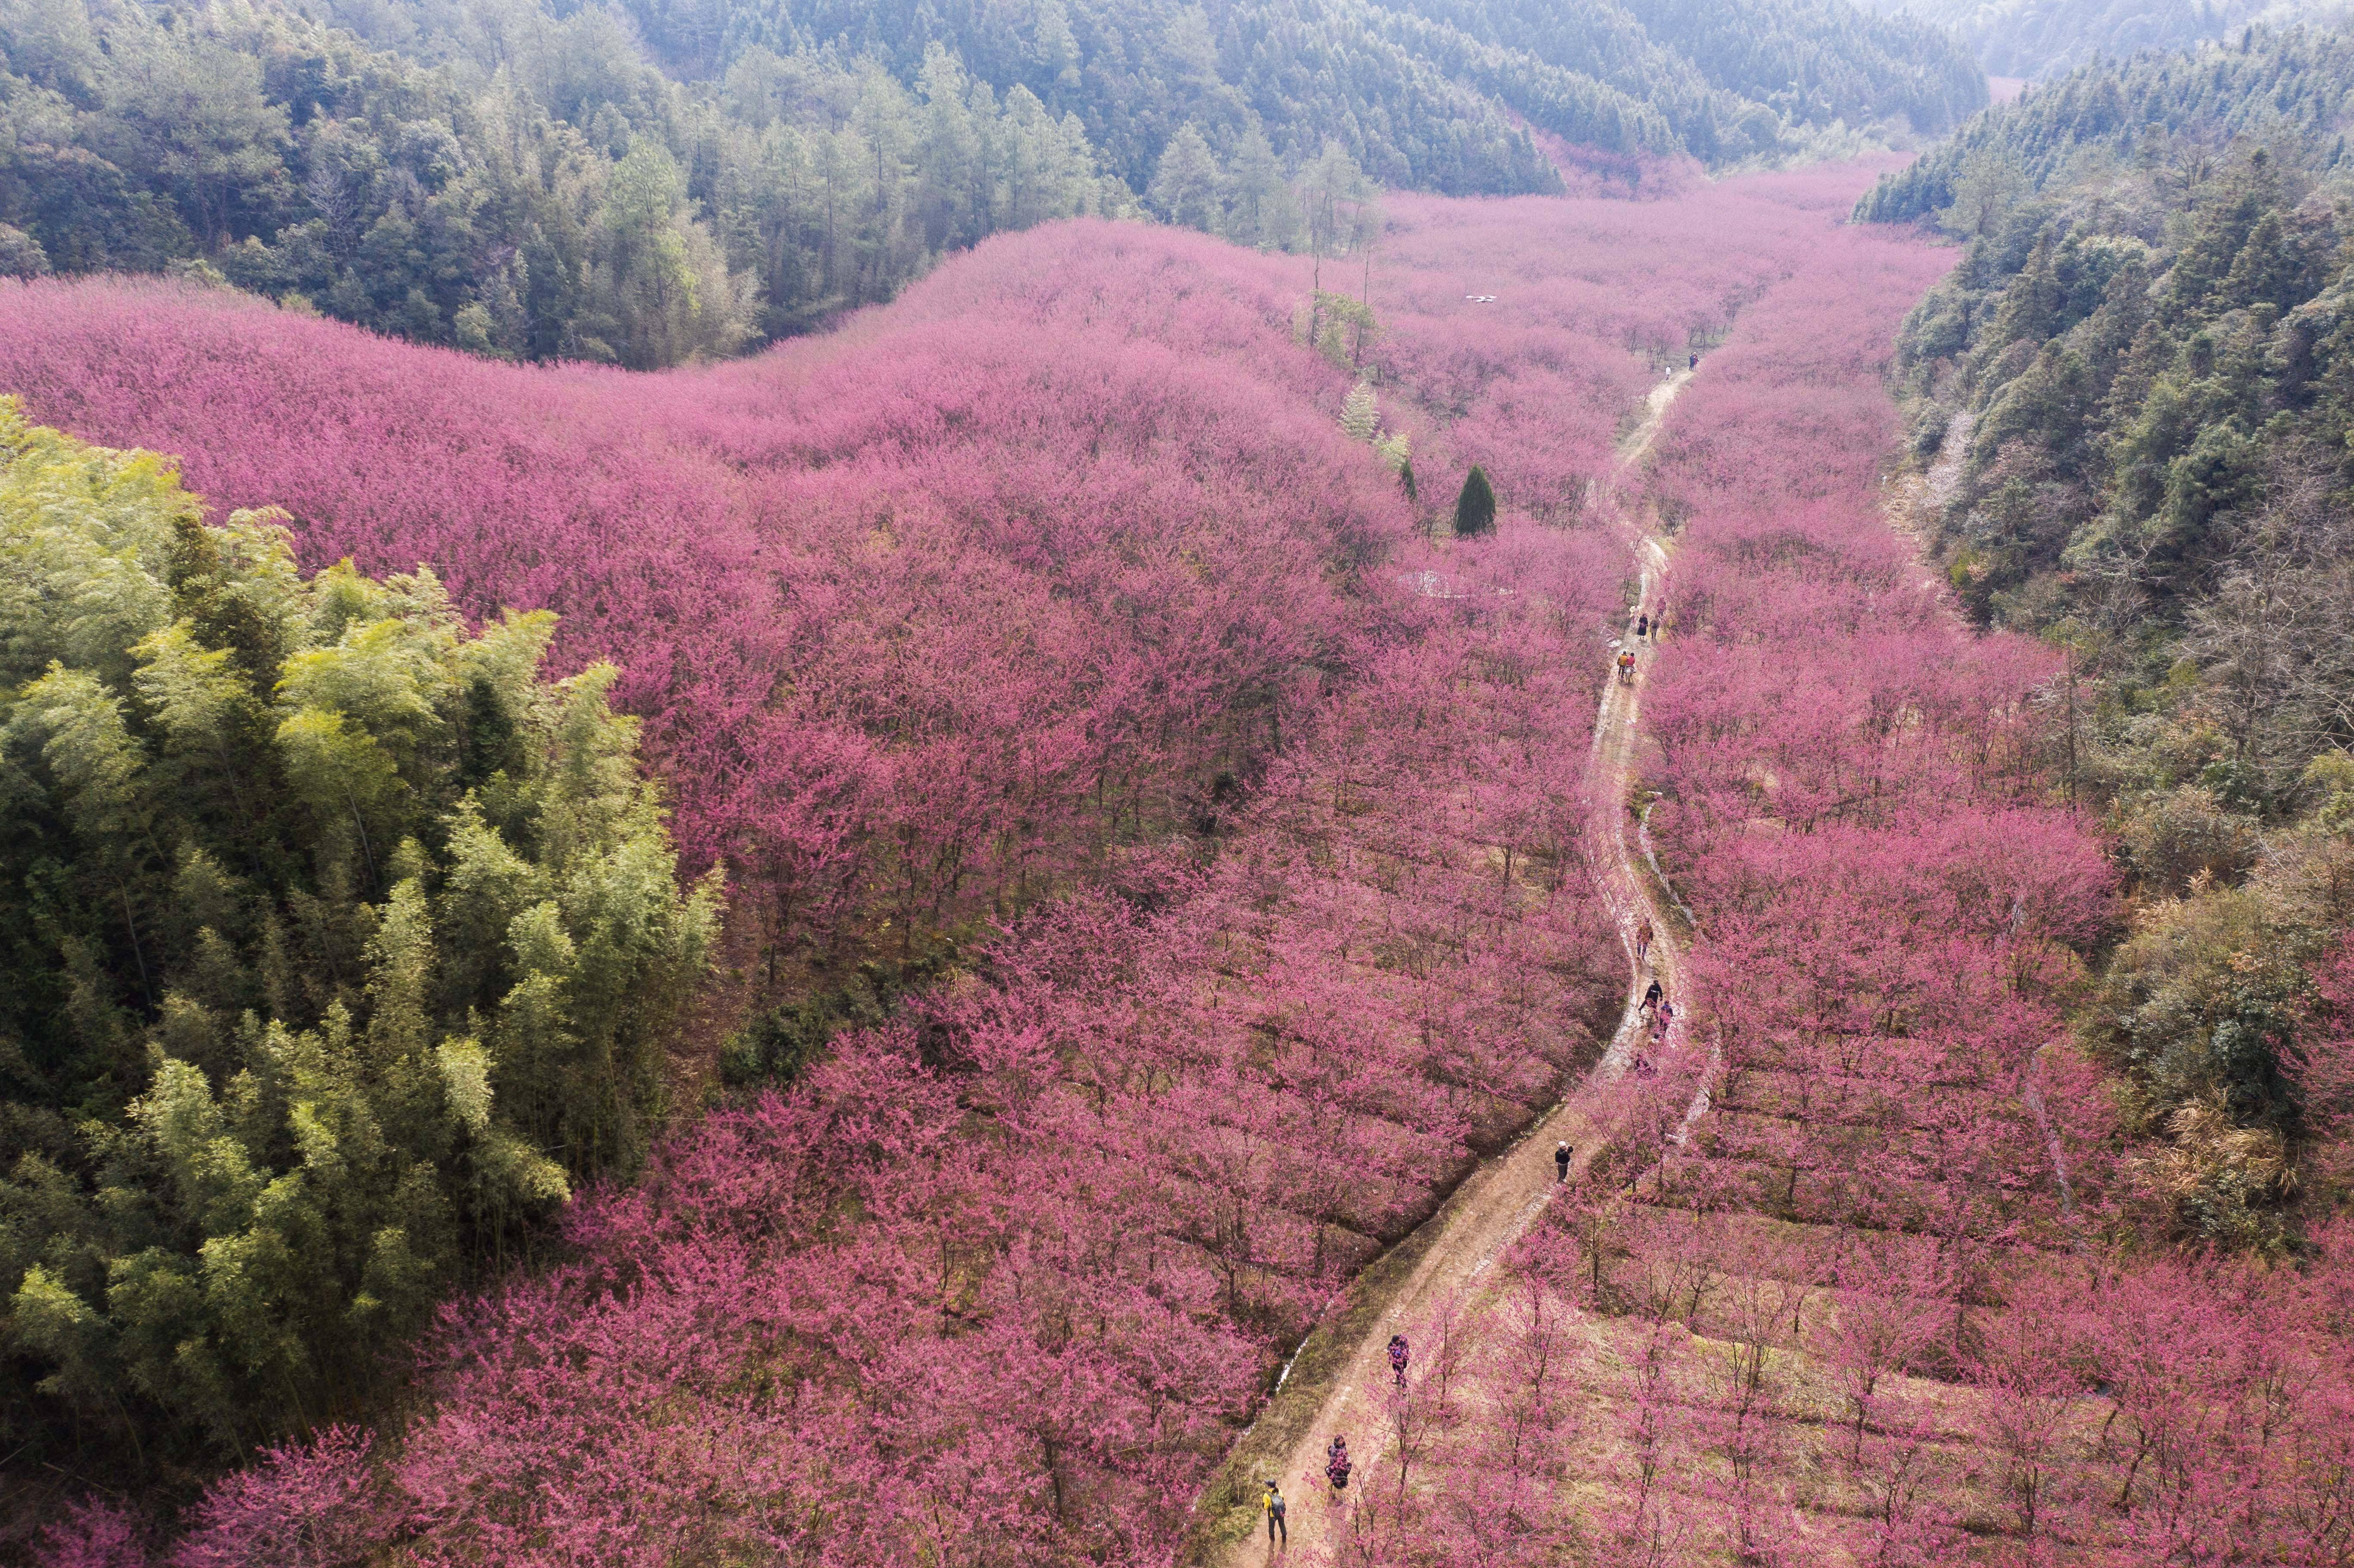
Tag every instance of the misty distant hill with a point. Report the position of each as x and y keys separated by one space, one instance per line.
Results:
x=2047 y=37
x=1424 y=93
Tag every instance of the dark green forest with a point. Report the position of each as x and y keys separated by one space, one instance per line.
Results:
x=665 y=181
x=2132 y=396
x=549 y=194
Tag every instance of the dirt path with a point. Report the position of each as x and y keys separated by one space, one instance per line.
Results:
x=1453 y=1250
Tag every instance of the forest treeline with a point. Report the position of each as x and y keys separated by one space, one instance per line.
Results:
x=542 y=193
x=656 y=183
x=337 y=948
x=2140 y=378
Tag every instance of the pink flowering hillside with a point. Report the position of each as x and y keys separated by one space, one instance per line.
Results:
x=918 y=619
x=1851 y=1282
x=1905 y=1183
x=1055 y=593
x=1589 y=298
x=927 y=614
x=1068 y=622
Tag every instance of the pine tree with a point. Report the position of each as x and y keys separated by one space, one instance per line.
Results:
x=1263 y=210
x=1475 y=508
x=1188 y=189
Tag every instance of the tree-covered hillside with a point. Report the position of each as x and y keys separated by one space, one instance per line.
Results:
x=2047 y=37
x=1413 y=89
x=2140 y=378
x=552 y=195
x=2161 y=118
x=669 y=180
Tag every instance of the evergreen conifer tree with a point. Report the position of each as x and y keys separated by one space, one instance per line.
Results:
x=1188 y=188
x=1264 y=211
x=1475 y=508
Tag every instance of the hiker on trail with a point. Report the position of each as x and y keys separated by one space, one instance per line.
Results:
x=1695 y=363
x=1272 y=1502
x=1643 y=1069
x=1661 y=1021
x=1652 y=998
x=1642 y=626
x=1336 y=1464
x=1626 y=668
x=1561 y=1153
x=1643 y=934
x=1398 y=1355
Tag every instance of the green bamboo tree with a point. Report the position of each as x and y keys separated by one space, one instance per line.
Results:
x=336 y=948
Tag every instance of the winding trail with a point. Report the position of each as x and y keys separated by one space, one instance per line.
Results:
x=1455 y=1247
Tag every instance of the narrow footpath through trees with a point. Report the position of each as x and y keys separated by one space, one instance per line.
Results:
x=1447 y=1259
